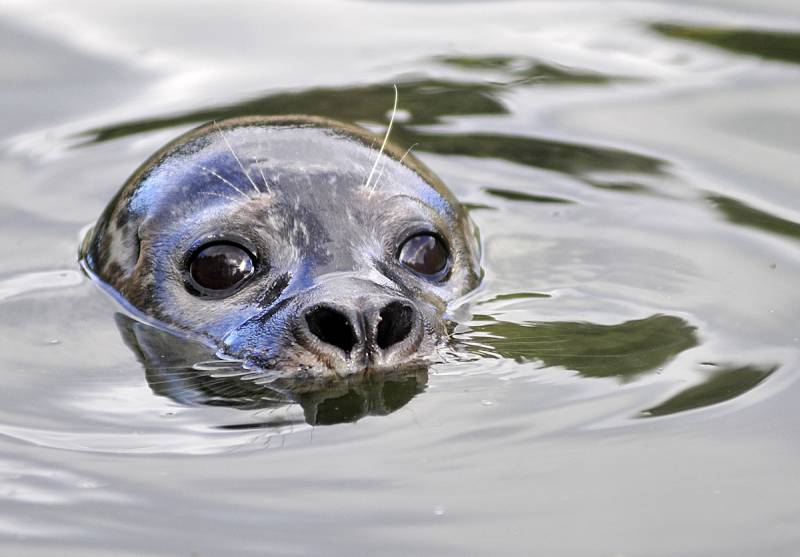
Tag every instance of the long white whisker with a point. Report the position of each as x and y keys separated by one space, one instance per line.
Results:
x=230 y=148
x=371 y=147
x=385 y=139
x=378 y=179
x=228 y=182
x=263 y=177
x=383 y=166
x=408 y=152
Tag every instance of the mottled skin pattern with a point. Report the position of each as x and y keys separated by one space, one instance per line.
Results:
x=294 y=194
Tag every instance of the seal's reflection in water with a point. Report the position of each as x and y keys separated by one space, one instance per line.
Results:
x=189 y=373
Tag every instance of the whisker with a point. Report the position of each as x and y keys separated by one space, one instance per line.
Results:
x=174 y=370
x=378 y=179
x=263 y=177
x=371 y=147
x=408 y=152
x=385 y=139
x=213 y=382
x=383 y=166
x=228 y=182
x=230 y=148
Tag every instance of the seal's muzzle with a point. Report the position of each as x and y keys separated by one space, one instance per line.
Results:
x=362 y=332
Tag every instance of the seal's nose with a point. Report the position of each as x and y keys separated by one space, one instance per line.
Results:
x=374 y=333
x=333 y=327
x=395 y=321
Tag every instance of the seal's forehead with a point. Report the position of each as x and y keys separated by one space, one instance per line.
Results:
x=225 y=165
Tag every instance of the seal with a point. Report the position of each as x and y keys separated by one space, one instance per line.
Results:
x=291 y=244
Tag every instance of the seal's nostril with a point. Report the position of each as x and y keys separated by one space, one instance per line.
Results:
x=331 y=327
x=395 y=324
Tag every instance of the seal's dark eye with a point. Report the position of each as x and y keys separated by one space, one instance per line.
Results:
x=425 y=254
x=216 y=269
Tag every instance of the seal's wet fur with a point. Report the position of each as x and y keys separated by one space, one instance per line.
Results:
x=294 y=191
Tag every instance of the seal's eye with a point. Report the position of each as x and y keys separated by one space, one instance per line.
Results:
x=217 y=269
x=426 y=255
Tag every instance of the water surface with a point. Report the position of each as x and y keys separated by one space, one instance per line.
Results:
x=625 y=382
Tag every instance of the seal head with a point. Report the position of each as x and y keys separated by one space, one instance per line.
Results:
x=289 y=243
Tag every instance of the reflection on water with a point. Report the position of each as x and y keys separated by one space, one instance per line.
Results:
x=723 y=384
x=740 y=213
x=624 y=350
x=570 y=158
x=421 y=102
x=189 y=373
x=426 y=101
x=771 y=45
x=526 y=71
x=520 y=196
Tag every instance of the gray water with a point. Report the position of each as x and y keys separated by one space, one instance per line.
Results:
x=628 y=377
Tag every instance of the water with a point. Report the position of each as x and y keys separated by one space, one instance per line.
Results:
x=628 y=375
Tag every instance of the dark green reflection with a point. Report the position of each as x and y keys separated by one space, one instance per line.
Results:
x=515 y=296
x=740 y=213
x=770 y=45
x=571 y=158
x=719 y=387
x=624 y=350
x=620 y=186
x=189 y=373
x=512 y=195
x=425 y=101
x=351 y=400
x=499 y=62
x=528 y=70
x=478 y=207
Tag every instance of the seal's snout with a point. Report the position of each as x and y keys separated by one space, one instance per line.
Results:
x=369 y=333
